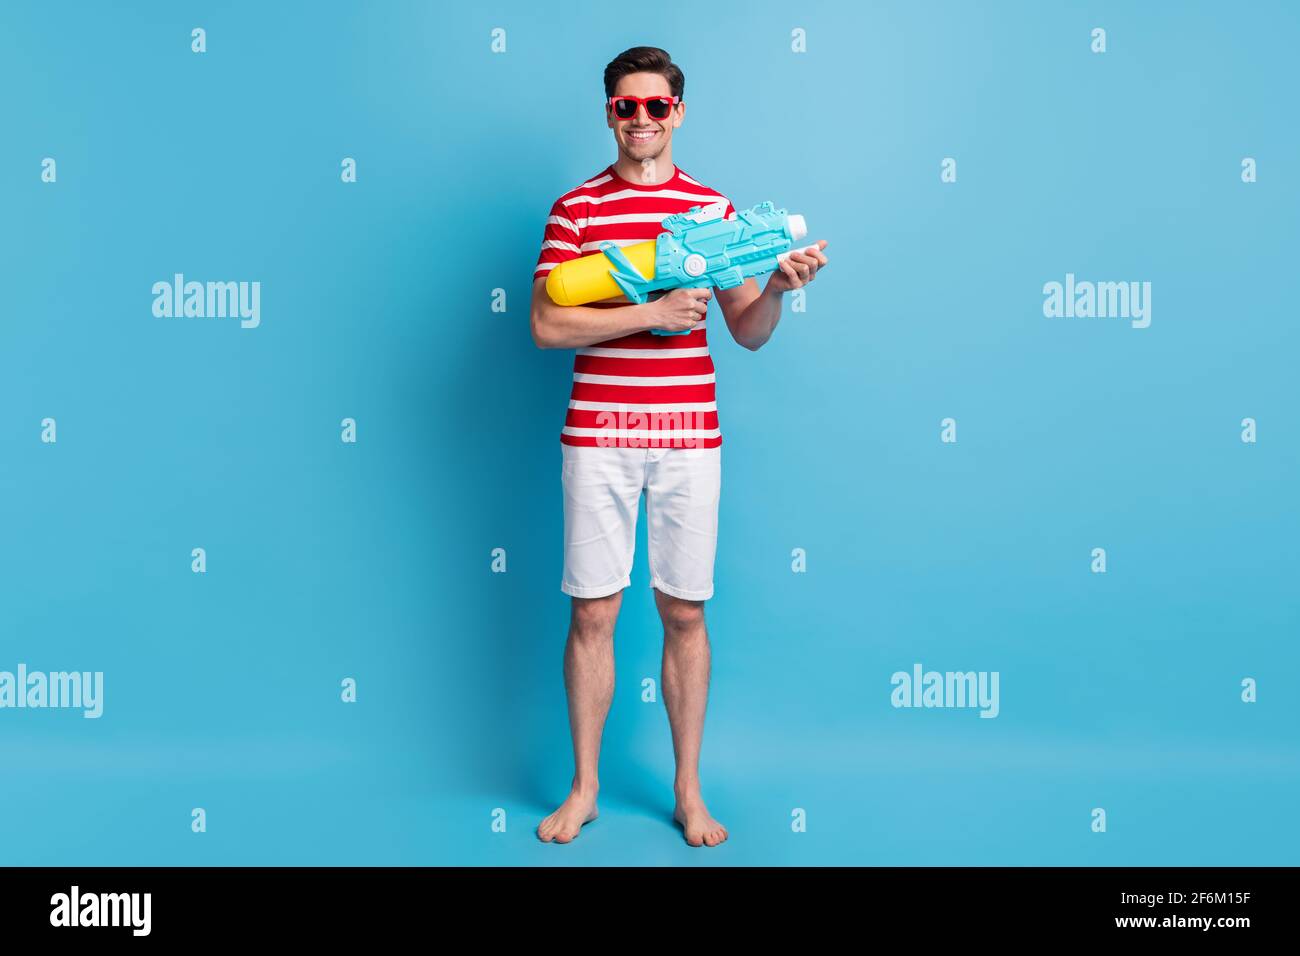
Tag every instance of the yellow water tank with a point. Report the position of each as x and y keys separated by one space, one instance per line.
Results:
x=587 y=279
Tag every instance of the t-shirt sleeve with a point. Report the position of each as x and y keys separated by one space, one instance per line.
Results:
x=561 y=241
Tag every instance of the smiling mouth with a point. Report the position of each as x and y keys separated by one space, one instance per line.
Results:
x=642 y=135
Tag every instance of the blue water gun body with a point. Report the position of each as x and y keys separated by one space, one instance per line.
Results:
x=699 y=249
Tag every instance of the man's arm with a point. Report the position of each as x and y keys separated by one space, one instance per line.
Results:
x=577 y=326
x=752 y=315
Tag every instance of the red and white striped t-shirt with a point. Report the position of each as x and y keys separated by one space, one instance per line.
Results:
x=641 y=390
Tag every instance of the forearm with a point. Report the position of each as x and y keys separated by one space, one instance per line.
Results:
x=577 y=326
x=757 y=323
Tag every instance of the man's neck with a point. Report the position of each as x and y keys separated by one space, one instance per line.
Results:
x=660 y=170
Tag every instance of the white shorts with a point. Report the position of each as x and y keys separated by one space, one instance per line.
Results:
x=602 y=493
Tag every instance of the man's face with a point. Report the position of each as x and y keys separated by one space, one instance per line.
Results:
x=641 y=138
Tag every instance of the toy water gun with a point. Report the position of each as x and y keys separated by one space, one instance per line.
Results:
x=699 y=249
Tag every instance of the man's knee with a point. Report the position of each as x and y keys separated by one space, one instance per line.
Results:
x=681 y=618
x=592 y=619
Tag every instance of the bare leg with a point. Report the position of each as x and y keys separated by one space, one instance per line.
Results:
x=589 y=681
x=686 y=695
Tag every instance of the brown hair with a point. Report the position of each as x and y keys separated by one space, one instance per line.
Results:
x=644 y=59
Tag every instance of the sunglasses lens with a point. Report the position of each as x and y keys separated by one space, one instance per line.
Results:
x=659 y=109
x=625 y=109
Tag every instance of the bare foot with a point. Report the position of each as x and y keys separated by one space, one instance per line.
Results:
x=700 y=828
x=578 y=809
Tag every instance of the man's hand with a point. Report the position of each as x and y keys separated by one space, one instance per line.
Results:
x=798 y=269
x=679 y=310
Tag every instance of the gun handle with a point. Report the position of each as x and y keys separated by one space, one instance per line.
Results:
x=701 y=285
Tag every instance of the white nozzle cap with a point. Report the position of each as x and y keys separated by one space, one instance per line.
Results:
x=798 y=228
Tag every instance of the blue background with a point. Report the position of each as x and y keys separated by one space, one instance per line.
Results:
x=328 y=560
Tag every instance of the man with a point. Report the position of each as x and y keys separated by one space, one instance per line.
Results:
x=642 y=418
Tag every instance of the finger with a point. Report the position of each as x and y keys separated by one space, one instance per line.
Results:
x=790 y=274
x=811 y=255
x=808 y=259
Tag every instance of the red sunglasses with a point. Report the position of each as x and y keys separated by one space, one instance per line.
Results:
x=656 y=107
